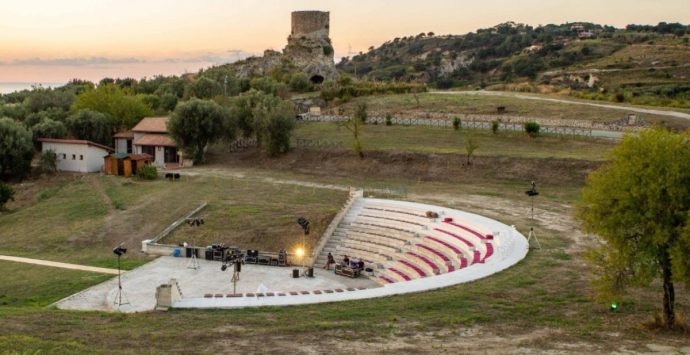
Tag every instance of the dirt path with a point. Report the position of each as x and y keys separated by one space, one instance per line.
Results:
x=59 y=265
x=675 y=114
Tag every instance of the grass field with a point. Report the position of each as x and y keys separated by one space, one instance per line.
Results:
x=446 y=140
x=81 y=218
x=486 y=105
x=543 y=303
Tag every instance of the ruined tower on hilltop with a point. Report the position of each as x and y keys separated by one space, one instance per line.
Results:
x=309 y=49
x=309 y=46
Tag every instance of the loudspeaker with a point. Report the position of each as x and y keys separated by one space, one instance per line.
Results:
x=310 y=272
x=295 y=273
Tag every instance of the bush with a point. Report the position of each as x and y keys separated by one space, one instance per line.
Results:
x=619 y=97
x=532 y=128
x=49 y=162
x=389 y=119
x=147 y=172
x=16 y=149
x=456 y=123
x=6 y=194
x=300 y=83
x=494 y=127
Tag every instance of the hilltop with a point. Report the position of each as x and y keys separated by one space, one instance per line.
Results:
x=639 y=64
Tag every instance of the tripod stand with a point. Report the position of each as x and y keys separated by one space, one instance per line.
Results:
x=193 y=262
x=120 y=297
x=532 y=234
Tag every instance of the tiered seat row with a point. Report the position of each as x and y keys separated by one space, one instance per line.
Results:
x=405 y=244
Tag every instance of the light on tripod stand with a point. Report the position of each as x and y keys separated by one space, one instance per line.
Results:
x=532 y=193
x=120 y=250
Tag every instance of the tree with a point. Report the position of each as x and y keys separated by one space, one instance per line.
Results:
x=639 y=205
x=49 y=162
x=470 y=146
x=196 y=123
x=204 y=88
x=6 y=194
x=125 y=109
x=355 y=127
x=16 y=149
x=48 y=129
x=280 y=125
x=91 y=126
x=300 y=83
x=361 y=114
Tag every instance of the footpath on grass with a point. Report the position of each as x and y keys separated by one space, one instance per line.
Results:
x=59 y=265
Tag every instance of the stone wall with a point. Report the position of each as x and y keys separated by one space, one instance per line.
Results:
x=310 y=24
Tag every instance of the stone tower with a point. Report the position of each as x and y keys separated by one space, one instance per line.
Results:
x=309 y=46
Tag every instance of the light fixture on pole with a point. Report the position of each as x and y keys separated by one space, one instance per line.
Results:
x=302 y=250
x=120 y=297
x=193 y=262
x=532 y=193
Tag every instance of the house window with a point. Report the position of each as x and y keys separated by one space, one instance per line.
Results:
x=74 y=157
x=64 y=156
x=81 y=157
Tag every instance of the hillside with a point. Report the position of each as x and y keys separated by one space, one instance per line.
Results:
x=636 y=62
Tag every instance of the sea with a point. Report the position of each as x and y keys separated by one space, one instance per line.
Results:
x=9 y=87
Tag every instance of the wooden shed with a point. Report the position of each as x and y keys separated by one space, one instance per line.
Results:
x=124 y=164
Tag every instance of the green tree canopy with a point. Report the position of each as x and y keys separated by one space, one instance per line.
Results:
x=91 y=125
x=196 y=123
x=48 y=129
x=204 y=88
x=125 y=109
x=639 y=205
x=273 y=124
x=16 y=149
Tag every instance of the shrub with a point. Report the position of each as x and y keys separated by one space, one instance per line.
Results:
x=300 y=83
x=532 y=128
x=361 y=113
x=389 y=119
x=6 y=194
x=494 y=127
x=147 y=172
x=49 y=162
x=456 y=123
x=619 y=97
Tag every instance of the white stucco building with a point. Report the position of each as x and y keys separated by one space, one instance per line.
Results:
x=76 y=155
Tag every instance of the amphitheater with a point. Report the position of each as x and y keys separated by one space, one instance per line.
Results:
x=405 y=250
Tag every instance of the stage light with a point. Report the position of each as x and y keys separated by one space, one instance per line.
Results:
x=299 y=252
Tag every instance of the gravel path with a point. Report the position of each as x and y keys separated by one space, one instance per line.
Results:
x=528 y=97
x=59 y=265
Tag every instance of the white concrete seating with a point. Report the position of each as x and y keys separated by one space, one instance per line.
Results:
x=388 y=232
x=396 y=209
x=377 y=248
x=377 y=238
x=397 y=216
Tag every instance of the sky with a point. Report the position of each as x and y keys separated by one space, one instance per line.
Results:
x=57 y=40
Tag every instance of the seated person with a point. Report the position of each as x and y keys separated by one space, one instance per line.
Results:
x=346 y=261
x=360 y=264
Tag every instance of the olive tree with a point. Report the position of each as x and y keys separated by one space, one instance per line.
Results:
x=91 y=125
x=639 y=206
x=16 y=149
x=196 y=123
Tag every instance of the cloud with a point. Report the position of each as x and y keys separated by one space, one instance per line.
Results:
x=215 y=58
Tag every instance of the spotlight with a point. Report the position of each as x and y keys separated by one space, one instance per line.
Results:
x=299 y=252
x=614 y=306
x=224 y=267
x=119 y=250
x=304 y=223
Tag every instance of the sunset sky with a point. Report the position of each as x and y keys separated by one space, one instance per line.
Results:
x=54 y=41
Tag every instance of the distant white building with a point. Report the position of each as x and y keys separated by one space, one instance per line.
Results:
x=76 y=155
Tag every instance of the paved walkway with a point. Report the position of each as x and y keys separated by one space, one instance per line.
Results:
x=572 y=102
x=59 y=265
